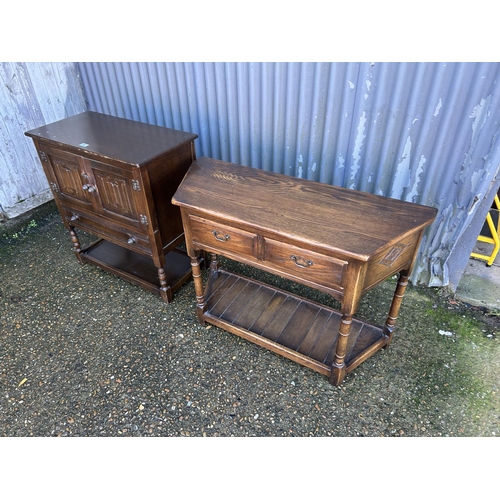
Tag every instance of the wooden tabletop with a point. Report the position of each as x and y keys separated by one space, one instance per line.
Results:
x=117 y=138
x=342 y=220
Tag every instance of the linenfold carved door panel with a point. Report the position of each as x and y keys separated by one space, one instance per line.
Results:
x=118 y=193
x=70 y=180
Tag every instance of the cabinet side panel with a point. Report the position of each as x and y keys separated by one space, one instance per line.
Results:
x=400 y=255
x=165 y=175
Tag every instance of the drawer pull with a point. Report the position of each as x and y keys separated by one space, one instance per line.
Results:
x=219 y=236
x=301 y=262
x=74 y=217
x=88 y=187
x=131 y=240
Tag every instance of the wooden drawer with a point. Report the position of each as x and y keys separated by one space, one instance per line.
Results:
x=222 y=239
x=102 y=228
x=305 y=264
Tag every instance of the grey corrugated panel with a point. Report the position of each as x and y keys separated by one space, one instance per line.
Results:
x=422 y=132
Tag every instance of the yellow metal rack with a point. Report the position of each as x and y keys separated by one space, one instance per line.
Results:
x=495 y=235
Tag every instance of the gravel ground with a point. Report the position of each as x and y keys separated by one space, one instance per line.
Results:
x=84 y=353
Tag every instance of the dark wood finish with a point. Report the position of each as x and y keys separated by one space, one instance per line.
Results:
x=114 y=178
x=336 y=240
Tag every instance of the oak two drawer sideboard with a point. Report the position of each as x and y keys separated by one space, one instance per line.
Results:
x=114 y=178
x=336 y=240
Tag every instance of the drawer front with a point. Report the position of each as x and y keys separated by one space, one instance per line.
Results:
x=222 y=239
x=305 y=264
x=102 y=228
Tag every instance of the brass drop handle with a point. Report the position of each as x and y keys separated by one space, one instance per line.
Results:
x=88 y=187
x=219 y=236
x=301 y=262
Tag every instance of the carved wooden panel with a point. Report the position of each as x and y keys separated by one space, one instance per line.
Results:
x=69 y=178
x=115 y=194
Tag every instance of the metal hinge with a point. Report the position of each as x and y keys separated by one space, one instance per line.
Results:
x=54 y=187
x=136 y=186
x=143 y=219
x=43 y=156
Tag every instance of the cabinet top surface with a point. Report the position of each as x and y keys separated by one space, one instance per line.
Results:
x=111 y=137
x=344 y=220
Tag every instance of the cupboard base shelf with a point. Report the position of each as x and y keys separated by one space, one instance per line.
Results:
x=137 y=268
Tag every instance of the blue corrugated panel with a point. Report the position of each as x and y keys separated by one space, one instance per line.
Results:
x=422 y=132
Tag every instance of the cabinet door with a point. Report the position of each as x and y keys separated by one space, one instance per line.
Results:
x=119 y=193
x=70 y=181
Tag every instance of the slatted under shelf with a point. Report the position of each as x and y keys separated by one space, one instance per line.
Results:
x=293 y=326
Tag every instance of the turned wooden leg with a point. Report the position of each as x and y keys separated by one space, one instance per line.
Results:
x=338 y=370
x=198 y=287
x=165 y=290
x=390 y=323
x=203 y=260
x=76 y=244
x=214 y=263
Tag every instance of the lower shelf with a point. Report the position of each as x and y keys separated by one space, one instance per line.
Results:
x=137 y=268
x=292 y=326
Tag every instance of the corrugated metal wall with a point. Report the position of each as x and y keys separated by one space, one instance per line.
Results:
x=422 y=132
x=31 y=94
